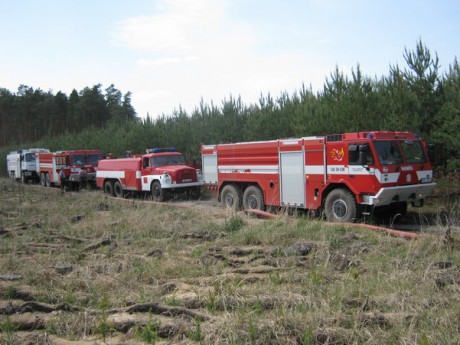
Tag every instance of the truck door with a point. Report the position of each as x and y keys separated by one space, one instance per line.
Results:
x=292 y=179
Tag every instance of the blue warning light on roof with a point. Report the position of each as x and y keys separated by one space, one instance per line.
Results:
x=164 y=149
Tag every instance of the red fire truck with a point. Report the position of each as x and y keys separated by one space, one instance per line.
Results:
x=344 y=175
x=160 y=172
x=79 y=167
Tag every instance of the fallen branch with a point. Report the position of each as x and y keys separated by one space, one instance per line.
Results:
x=32 y=306
x=156 y=308
x=104 y=242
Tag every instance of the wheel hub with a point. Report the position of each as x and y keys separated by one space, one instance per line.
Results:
x=339 y=207
x=252 y=202
x=229 y=199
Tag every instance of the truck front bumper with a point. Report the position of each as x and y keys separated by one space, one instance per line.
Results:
x=389 y=195
x=181 y=185
x=82 y=176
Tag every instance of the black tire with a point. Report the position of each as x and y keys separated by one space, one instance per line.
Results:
x=340 y=206
x=42 y=179
x=12 y=176
x=157 y=191
x=108 y=188
x=253 y=199
x=391 y=212
x=24 y=178
x=117 y=189
x=230 y=197
x=47 y=180
x=194 y=193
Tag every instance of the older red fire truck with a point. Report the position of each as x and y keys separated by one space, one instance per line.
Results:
x=160 y=172
x=79 y=167
x=344 y=175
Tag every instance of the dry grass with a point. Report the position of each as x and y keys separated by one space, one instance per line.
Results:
x=84 y=268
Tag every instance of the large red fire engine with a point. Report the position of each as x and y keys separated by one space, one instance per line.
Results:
x=79 y=167
x=344 y=175
x=159 y=172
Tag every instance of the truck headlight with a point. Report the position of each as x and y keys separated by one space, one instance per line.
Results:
x=199 y=175
x=166 y=178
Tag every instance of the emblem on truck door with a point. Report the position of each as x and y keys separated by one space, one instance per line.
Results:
x=337 y=154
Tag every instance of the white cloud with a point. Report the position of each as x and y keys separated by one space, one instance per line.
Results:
x=192 y=50
x=178 y=27
x=165 y=61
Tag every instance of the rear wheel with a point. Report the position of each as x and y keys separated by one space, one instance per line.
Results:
x=108 y=188
x=253 y=199
x=12 y=176
x=231 y=197
x=157 y=192
x=42 y=179
x=340 y=206
x=118 y=189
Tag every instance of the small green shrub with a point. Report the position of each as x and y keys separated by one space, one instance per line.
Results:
x=196 y=335
x=8 y=328
x=233 y=224
x=149 y=332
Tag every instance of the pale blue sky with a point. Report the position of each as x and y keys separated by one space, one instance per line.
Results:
x=175 y=52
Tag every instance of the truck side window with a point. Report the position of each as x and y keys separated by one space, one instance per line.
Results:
x=353 y=154
x=360 y=154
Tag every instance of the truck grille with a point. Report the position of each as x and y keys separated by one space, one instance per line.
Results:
x=187 y=176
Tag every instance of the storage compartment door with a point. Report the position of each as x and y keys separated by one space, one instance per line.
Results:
x=210 y=169
x=292 y=179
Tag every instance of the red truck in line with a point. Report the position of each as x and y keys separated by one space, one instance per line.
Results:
x=159 y=172
x=79 y=167
x=344 y=175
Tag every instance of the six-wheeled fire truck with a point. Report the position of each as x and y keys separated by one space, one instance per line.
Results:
x=344 y=175
x=79 y=167
x=160 y=172
x=21 y=165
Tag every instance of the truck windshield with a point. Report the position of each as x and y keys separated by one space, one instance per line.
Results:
x=78 y=159
x=161 y=161
x=30 y=157
x=388 y=152
x=92 y=159
x=413 y=152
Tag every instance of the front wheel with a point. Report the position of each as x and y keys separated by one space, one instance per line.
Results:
x=194 y=193
x=253 y=199
x=157 y=192
x=340 y=206
x=231 y=197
